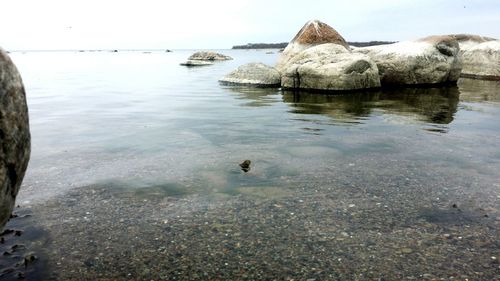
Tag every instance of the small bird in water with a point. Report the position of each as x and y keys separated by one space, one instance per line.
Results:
x=245 y=165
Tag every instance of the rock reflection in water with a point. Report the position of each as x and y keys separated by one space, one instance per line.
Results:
x=473 y=90
x=255 y=97
x=430 y=105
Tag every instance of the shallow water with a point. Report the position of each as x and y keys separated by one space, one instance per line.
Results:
x=122 y=142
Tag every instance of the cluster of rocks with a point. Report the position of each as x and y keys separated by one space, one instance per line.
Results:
x=204 y=58
x=14 y=135
x=319 y=58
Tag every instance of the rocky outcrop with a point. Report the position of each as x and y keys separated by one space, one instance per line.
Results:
x=14 y=135
x=196 y=63
x=431 y=60
x=313 y=33
x=329 y=67
x=482 y=61
x=467 y=41
x=253 y=74
x=318 y=57
x=209 y=56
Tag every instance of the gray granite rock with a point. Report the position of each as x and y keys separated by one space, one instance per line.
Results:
x=313 y=33
x=482 y=61
x=209 y=56
x=467 y=41
x=14 y=135
x=253 y=74
x=330 y=67
x=431 y=60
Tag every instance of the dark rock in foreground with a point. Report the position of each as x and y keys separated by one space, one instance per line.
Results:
x=253 y=74
x=209 y=56
x=14 y=135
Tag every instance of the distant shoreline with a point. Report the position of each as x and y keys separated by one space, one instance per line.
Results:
x=284 y=44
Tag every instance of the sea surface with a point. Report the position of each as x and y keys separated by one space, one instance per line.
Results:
x=134 y=175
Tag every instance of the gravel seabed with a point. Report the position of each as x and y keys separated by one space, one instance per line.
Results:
x=399 y=228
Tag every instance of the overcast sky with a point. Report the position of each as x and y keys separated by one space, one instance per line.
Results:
x=193 y=24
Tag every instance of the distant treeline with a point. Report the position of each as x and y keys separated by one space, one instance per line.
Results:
x=284 y=44
x=262 y=46
x=371 y=43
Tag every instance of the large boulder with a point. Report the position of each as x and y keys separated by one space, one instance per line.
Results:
x=329 y=67
x=209 y=56
x=431 y=60
x=313 y=33
x=14 y=135
x=467 y=41
x=253 y=74
x=482 y=61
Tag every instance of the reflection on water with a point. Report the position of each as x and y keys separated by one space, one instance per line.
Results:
x=472 y=90
x=255 y=97
x=432 y=105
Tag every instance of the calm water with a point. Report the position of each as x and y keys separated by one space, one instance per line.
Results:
x=139 y=121
x=142 y=119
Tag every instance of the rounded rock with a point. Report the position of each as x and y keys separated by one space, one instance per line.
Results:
x=14 y=135
x=253 y=74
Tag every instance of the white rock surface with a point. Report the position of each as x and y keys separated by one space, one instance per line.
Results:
x=482 y=61
x=313 y=33
x=329 y=67
x=253 y=74
x=209 y=56
x=467 y=41
x=430 y=60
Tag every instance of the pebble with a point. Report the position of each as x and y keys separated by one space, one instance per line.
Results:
x=406 y=250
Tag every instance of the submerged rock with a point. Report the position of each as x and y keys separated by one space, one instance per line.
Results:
x=253 y=74
x=430 y=60
x=209 y=56
x=330 y=67
x=196 y=63
x=482 y=61
x=14 y=135
x=313 y=33
x=245 y=165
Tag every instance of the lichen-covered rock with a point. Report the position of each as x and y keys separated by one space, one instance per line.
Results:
x=196 y=63
x=330 y=67
x=313 y=33
x=482 y=61
x=14 y=135
x=431 y=60
x=253 y=74
x=209 y=56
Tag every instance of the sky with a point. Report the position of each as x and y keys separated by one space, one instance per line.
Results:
x=220 y=24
